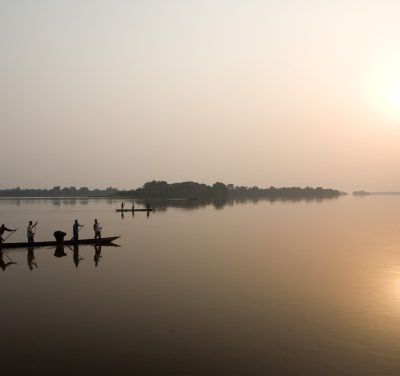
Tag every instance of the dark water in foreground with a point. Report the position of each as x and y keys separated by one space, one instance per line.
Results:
x=253 y=289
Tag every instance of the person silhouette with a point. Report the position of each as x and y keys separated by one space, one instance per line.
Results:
x=30 y=231
x=3 y=229
x=75 y=230
x=59 y=236
x=97 y=230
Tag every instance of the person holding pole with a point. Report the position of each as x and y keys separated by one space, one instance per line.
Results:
x=3 y=228
x=97 y=230
x=30 y=231
x=75 y=230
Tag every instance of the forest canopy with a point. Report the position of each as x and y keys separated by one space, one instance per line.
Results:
x=185 y=190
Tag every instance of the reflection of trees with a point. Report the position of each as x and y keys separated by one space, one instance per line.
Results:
x=163 y=205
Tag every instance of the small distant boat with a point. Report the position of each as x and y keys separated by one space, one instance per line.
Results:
x=102 y=241
x=135 y=210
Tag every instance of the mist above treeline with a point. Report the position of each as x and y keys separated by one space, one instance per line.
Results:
x=184 y=190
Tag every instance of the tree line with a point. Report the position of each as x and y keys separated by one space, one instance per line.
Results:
x=58 y=192
x=185 y=190
x=198 y=191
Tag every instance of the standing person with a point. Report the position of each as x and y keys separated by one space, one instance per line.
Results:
x=97 y=230
x=133 y=206
x=122 y=205
x=3 y=228
x=30 y=233
x=75 y=230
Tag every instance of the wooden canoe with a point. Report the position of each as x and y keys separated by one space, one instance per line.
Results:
x=102 y=241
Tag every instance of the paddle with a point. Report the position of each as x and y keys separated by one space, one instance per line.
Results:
x=73 y=250
x=11 y=261
x=12 y=232
x=36 y=227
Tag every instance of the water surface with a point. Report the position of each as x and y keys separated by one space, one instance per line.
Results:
x=242 y=289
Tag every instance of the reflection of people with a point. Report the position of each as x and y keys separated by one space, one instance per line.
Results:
x=75 y=230
x=29 y=231
x=97 y=230
x=3 y=228
x=97 y=254
x=5 y=265
x=77 y=258
x=31 y=258
x=59 y=251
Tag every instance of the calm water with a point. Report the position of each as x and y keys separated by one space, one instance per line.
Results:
x=295 y=288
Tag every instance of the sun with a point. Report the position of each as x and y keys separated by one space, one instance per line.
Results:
x=385 y=90
x=395 y=97
x=392 y=94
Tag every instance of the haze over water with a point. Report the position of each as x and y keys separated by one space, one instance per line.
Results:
x=282 y=93
x=286 y=287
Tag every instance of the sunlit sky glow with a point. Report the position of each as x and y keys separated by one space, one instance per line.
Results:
x=251 y=92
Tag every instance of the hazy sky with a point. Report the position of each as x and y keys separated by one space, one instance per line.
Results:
x=251 y=92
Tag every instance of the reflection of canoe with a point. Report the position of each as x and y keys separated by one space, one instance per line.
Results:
x=103 y=241
x=134 y=210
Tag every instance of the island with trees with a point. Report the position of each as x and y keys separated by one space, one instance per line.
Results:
x=184 y=190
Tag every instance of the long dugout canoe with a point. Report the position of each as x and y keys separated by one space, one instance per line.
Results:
x=102 y=241
x=134 y=210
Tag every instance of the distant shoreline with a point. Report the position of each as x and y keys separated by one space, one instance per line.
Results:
x=118 y=198
x=185 y=190
x=364 y=193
